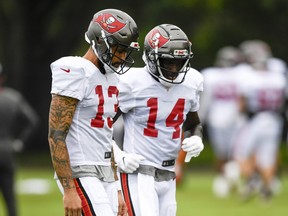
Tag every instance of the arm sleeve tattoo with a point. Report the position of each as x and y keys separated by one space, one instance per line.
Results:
x=60 y=118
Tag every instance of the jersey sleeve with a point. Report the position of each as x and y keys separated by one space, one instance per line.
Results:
x=68 y=79
x=125 y=97
x=197 y=83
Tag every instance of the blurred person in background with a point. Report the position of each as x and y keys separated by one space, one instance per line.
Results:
x=262 y=100
x=18 y=121
x=155 y=102
x=220 y=114
x=84 y=102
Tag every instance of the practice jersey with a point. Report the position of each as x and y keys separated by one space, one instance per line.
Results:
x=154 y=115
x=264 y=91
x=221 y=96
x=89 y=137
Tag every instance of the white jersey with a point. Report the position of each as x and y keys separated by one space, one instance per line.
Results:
x=220 y=101
x=154 y=115
x=264 y=91
x=90 y=134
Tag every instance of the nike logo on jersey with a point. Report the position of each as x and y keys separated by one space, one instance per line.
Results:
x=66 y=70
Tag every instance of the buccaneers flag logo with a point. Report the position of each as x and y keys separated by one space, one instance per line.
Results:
x=156 y=38
x=109 y=23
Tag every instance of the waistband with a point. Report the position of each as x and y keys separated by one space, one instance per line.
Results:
x=104 y=173
x=158 y=174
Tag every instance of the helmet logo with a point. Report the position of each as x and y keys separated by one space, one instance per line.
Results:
x=155 y=38
x=109 y=23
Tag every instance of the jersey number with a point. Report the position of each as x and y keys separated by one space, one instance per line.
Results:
x=99 y=121
x=174 y=119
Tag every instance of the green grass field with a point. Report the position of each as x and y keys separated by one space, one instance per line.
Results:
x=194 y=198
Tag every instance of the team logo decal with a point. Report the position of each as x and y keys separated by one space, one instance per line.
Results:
x=155 y=37
x=109 y=23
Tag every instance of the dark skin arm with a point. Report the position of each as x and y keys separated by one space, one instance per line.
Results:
x=192 y=125
x=61 y=113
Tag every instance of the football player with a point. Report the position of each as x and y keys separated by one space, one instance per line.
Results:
x=263 y=95
x=156 y=101
x=84 y=102
x=220 y=112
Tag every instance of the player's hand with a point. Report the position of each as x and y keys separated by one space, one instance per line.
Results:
x=122 y=209
x=193 y=146
x=130 y=162
x=72 y=203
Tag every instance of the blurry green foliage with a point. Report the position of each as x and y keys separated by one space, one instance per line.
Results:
x=35 y=34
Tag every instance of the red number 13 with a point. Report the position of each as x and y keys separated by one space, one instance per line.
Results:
x=98 y=121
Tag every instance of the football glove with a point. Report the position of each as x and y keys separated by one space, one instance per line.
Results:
x=193 y=146
x=127 y=162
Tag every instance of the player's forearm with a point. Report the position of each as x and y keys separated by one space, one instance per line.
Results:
x=61 y=163
x=193 y=125
x=60 y=118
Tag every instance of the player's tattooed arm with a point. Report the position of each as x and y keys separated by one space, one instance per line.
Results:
x=61 y=114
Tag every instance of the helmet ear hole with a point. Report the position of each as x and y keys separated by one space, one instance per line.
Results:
x=151 y=57
x=152 y=67
x=105 y=58
x=110 y=40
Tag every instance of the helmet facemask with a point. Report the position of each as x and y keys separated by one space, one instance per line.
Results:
x=172 y=70
x=106 y=50
x=169 y=69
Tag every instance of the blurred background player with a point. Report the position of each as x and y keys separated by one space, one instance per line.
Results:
x=262 y=101
x=220 y=114
x=156 y=101
x=84 y=102
x=18 y=122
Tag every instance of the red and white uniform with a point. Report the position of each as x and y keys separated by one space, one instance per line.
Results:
x=264 y=93
x=90 y=135
x=154 y=115
x=220 y=107
x=153 y=118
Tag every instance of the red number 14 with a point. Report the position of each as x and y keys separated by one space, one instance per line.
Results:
x=174 y=119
